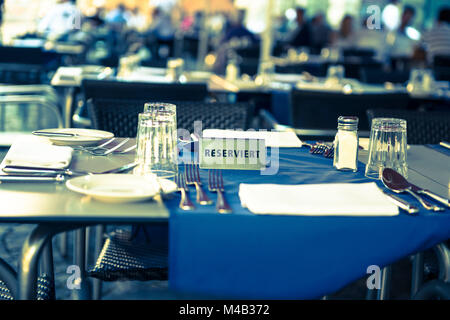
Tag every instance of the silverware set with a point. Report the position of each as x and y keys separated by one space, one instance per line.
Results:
x=398 y=184
x=103 y=150
x=215 y=184
x=192 y=177
x=321 y=148
x=22 y=173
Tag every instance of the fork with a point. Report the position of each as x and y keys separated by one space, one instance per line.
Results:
x=329 y=152
x=185 y=203
x=82 y=148
x=215 y=184
x=193 y=178
x=99 y=152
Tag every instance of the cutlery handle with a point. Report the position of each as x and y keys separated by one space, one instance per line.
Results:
x=7 y=178
x=53 y=134
x=424 y=203
x=202 y=198
x=434 y=196
x=186 y=203
x=222 y=206
x=25 y=171
x=411 y=209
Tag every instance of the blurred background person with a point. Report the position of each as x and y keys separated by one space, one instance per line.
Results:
x=161 y=26
x=136 y=20
x=237 y=30
x=301 y=36
x=118 y=16
x=161 y=34
x=405 y=38
x=63 y=18
x=436 y=42
x=345 y=37
x=320 y=33
x=372 y=39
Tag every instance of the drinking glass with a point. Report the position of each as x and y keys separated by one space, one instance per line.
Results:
x=387 y=147
x=157 y=140
x=335 y=74
x=421 y=80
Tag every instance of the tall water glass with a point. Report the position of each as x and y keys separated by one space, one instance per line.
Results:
x=387 y=147
x=157 y=140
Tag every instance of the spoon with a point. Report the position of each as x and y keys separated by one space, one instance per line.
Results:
x=396 y=182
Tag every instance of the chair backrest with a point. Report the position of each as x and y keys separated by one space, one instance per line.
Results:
x=320 y=110
x=441 y=68
x=360 y=53
x=121 y=116
x=429 y=127
x=26 y=65
x=378 y=76
x=165 y=92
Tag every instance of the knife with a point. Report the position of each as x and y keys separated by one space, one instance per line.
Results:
x=22 y=170
x=430 y=194
x=61 y=134
x=20 y=178
x=411 y=209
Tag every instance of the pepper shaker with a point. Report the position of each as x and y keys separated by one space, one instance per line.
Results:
x=346 y=144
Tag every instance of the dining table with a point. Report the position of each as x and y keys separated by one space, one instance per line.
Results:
x=241 y=254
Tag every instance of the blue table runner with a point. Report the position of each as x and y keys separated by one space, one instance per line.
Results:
x=242 y=255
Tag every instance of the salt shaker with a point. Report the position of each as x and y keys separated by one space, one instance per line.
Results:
x=346 y=144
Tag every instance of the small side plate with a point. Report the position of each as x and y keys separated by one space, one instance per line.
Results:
x=83 y=137
x=120 y=188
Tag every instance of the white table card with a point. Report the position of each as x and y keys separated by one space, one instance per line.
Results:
x=232 y=153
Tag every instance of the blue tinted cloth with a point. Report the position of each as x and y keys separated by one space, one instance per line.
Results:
x=439 y=148
x=242 y=255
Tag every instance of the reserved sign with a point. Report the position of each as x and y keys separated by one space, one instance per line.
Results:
x=231 y=153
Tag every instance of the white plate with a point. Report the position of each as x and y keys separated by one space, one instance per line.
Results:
x=120 y=188
x=84 y=137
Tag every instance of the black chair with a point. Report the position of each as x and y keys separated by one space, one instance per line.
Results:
x=26 y=65
x=160 y=92
x=120 y=116
x=317 y=70
x=441 y=68
x=316 y=112
x=434 y=290
x=122 y=258
x=141 y=90
x=423 y=127
x=378 y=76
x=9 y=285
x=358 y=53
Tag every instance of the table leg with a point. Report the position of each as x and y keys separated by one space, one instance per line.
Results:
x=80 y=260
x=97 y=283
x=443 y=255
x=47 y=265
x=31 y=252
x=383 y=293
x=417 y=273
x=68 y=107
x=9 y=277
x=63 y=244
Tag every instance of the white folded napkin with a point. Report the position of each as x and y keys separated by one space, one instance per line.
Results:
x=336 y=199
x=272 y=139
x=39 y=155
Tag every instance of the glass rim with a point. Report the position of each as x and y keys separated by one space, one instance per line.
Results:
x=161 y=104
x=389 y=121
